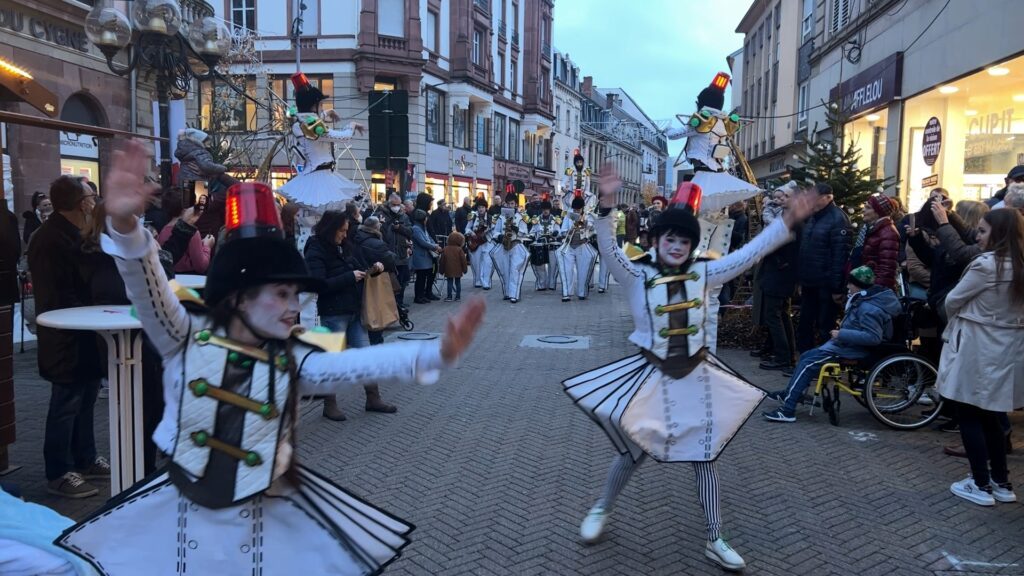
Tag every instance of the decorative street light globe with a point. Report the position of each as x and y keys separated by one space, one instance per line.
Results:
x=159 y=16
x=210 y=38
x=108 y=28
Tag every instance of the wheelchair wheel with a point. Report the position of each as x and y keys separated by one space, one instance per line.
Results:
x=407 y=324
x=900 y=392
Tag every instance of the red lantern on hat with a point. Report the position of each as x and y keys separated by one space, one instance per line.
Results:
x=251 y=212
x=689 y=195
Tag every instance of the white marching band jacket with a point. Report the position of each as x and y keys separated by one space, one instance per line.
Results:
x=318 y=151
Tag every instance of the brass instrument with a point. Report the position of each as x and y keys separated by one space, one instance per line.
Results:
x=575 y=237
x=509 y=233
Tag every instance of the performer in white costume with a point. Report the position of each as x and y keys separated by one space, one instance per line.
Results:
x=478 y=238
x=577 y=183
x=233 y=500
x=318 y=186
x=510 y=256
x=577 y=256
x=543 y=256
x=674 y=400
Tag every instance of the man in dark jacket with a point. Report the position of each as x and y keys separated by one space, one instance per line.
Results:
x=69 y=360
x=777 y=279
x=824 y=248
x=462 y=215
x=396 y=231
x=439 y=223
x=1016 y=174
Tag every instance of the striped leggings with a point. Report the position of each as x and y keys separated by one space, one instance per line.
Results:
x=706 y=475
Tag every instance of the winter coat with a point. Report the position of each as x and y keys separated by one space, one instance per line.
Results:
x=396 y=231
x=343 y=294
x=462 y=217
x=881 y=251
x=982 y=362
x=422 y=246
x=439 y=223
x=373 y=249
x=632 y=225
x=56 y=261
x=195 y=260
x=196 y=162
x=958 y=251
x=10 y=253
x=777 y=275
x=32 y=224
x=945 y=272
x=453 y=263
x=867 y=323
x=824 y=248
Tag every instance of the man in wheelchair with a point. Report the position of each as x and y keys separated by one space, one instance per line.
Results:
x=867 y=322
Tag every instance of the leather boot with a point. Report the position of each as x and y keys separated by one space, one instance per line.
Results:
x=374 y=403
x=331 y=410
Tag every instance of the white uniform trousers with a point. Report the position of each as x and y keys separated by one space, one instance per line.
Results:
x=576 y=267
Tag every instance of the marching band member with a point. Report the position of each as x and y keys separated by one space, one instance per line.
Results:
x=510 y=256
x=576 y=257
x=478 y=238
x=545 y=233
x=233 y=500
x=577 y=183
x=674 y=400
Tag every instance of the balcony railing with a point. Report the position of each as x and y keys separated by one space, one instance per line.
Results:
x=546 y=51
x=483 y=5
x=501 y=28
x=515 y=38
x=391 y=43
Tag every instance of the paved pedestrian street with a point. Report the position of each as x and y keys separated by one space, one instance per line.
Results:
x=496 y=468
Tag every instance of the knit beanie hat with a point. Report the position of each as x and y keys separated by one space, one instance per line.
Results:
x=882 y=205
x=862 y=276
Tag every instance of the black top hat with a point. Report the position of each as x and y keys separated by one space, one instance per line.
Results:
x=307 y=96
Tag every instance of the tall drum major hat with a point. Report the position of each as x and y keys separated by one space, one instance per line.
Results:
x=254 y=250
x=307 y=96
x=681 y=214
x=714 y=95
x=577 y=158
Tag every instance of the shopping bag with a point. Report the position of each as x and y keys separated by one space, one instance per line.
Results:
x=379 y=307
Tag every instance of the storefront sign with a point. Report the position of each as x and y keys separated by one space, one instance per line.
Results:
x=872 y=88
x=518 y=172
x=930 y=181
x=931 y=142
x=78 y=145
x=43 y=28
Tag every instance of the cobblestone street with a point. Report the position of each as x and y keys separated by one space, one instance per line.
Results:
x=496 y=467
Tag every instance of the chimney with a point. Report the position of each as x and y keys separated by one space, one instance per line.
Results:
x=588 y=86
x=609 y=101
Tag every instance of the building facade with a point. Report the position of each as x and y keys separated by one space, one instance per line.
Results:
x=765 y=81
x=932 y=94
x=653 y=167
x=568 y=105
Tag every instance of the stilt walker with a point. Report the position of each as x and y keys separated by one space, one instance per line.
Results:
x=577 y=183
x=510 y=256
x=233 y=500
x=545 y=232
x=577 y=256
x=478 y=238
x=674 y=400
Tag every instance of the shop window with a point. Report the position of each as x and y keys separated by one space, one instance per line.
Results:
x=243 y=14
x=224 y=110
x=435 y=116
x=868 y=134
x=840 y=14
x=982 y=134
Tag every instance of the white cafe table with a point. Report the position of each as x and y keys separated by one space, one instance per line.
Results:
x=123 y=335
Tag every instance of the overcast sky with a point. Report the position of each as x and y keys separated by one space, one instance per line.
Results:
x=662 y=52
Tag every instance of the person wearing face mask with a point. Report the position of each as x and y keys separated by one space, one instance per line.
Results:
x=69 y=360
x=673 y=400
x=396 y=231
x=236 y=364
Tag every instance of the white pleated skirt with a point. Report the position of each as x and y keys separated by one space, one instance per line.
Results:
x=644 y=411
x=316 y=528
x=320 y=190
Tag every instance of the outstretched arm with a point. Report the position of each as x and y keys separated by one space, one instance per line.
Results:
x=621 y=268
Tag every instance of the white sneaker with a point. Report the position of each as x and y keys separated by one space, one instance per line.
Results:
x=722 y=554
x=593 y=525
x=1002 y=493
x=970 y=491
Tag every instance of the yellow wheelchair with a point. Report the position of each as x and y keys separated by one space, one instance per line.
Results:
x=894 y=384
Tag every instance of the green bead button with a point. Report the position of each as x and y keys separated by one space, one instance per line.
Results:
x=203 y=336
x=663 y=332
x=201 y=388
x=200 y=438
x=246 y=363
x=233 y=357
x=281 y=362
x=252 y=459
x=266 y=410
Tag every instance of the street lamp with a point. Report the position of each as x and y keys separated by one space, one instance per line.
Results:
x=155 y=38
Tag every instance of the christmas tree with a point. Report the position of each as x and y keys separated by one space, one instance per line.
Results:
x=835 y=163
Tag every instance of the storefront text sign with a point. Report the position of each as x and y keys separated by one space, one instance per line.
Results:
x=43 y=28
x=929 y=181
x=518 y=172
x=877 y=86
x=931 y=141
x=78 y=145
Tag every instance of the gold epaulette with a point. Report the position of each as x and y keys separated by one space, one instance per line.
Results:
x=633 y=252
x=323 y=339
x=185 y=294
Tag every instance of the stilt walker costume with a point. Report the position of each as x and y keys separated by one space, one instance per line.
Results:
x=233 y=500
x=478 y=239
x=543 y=256
x=510 y=256
x=577 y=183
x=577 y=256
x=318 y=187
x=674 y=400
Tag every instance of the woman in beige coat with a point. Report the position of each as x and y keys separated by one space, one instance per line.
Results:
x=982 y=365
